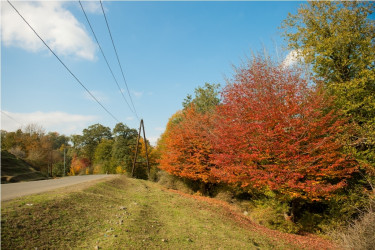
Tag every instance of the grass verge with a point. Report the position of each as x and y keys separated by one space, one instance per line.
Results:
x=131 y=214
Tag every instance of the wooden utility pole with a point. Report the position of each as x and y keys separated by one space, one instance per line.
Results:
x=64 y=161
x=141 y=126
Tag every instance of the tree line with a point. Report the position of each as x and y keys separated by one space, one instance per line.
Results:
x=97 y=150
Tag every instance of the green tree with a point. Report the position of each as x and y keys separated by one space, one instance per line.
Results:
x=58 y=140
x=122 y=130
x=91 y=137
x=205 y=98
x=103 y=154
x=337 y=39
x=125 y=140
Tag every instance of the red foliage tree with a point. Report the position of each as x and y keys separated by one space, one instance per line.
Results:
x=78 y=164
x=186 y=146
x=277 y=132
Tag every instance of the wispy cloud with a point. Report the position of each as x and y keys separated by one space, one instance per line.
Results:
x=61 y=122
x=93 y=7
x=53 y=22
x=138 y=94
x=129 y=118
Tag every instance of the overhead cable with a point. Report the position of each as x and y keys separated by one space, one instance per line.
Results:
x=118 y=60
x=105 y=58
x=66 y=67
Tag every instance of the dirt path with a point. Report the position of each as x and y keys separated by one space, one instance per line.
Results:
x=14 y=190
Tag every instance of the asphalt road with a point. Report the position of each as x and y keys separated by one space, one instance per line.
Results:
x=13 y=190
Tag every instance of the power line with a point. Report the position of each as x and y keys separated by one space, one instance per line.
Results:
x=63 y=63
x=105 y=58
x=118 y=60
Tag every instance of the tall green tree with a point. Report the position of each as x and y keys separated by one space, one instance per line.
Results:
x=123 y=149
x=337 y=39
x=103 y=154
x=92 y=136
x=205 y=99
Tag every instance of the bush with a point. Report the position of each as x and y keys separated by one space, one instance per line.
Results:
x=361 y=233
x=225 y=195
x=273 y=214
x=120 y=170
x=18 y=152
x=154 y=174
x=58 y=169
x=173 y=182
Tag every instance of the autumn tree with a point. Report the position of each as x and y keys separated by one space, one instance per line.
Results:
x=32 y=144
x=161 y=146
x=337 y=39
x=79 y=165
x=188 y=148
x=277 y=132
x=185 y=145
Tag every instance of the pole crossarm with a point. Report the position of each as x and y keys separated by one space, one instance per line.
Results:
x=141 y=126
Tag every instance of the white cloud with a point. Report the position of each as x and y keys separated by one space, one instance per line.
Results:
x=53 y=22
x=153 y=140
x=291 y=59
x=93 y=7
x=137 y=94
x=60 y=122
x=129 y=118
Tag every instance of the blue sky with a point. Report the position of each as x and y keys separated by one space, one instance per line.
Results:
x=167 y=49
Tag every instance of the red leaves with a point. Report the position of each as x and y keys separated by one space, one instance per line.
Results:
x=276 y=134
x=78 y=164
x=273 y=131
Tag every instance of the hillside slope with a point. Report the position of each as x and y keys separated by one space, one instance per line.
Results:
x=14 y=169
x=128 y=213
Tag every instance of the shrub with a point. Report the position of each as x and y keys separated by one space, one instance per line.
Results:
x=173 y=182
x=58 y=169
x=98 y=169
x=120 y=170
x=360 y=233
x=273 y=214
x=225 y=195
x=18 y=152
x=154 y=174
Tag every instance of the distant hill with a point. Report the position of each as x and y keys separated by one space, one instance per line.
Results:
x=14 y=169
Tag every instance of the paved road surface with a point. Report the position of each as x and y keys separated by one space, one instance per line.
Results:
x=13 y=190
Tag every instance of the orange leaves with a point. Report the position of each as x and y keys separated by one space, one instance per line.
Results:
x=78 y=164
x=187 y=146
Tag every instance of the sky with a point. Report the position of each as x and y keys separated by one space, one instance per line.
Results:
x=166 y=50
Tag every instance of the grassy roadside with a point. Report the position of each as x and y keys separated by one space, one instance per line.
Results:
x=126 y=213
x=14 y=169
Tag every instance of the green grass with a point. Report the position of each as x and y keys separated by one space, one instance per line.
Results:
x=14 y=169
x=125 y=213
